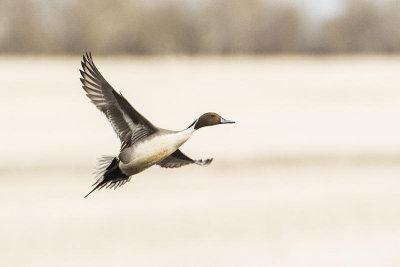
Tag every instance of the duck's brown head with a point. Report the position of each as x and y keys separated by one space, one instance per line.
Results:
x=210 y=119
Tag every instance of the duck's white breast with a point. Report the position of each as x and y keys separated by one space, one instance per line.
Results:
x=154 y=149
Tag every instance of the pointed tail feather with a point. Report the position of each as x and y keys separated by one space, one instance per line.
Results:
x=99 y=186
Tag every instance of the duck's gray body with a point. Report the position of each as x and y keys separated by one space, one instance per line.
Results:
x=142 y=143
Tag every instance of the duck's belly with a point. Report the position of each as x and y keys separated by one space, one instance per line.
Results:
x=148 y=153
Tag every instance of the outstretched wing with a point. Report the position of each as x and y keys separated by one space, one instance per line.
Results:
x=178 y=159
x=129 y=124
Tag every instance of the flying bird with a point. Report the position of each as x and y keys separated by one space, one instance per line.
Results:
x=142 y=143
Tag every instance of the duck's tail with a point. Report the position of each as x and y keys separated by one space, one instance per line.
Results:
x=108 y=174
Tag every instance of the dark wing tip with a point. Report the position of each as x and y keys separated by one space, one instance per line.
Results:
x=82 y=74
x=86 y=59
x=205 y=162
x=87 y=55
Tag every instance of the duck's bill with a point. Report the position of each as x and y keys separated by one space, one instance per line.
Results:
x=226 y=121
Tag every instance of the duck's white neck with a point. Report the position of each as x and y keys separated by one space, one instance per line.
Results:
x=182 y=136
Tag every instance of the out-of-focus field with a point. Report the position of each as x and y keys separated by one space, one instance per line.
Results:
x=309 y=175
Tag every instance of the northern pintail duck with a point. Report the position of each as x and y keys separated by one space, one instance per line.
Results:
x=142 y=143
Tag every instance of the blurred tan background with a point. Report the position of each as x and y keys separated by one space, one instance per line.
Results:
x=308 y=176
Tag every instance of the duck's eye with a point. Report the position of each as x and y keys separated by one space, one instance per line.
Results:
x=212 y=116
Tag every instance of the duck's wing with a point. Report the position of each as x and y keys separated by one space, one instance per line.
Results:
x=129 y=124
x=178 y=159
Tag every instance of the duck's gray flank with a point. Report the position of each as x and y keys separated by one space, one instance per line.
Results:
x=142 y=143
